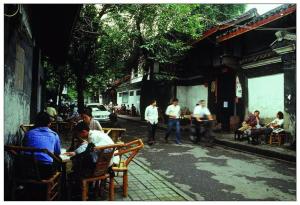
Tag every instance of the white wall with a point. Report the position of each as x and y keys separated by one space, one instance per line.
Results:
x=266 y=94
x=189 y=96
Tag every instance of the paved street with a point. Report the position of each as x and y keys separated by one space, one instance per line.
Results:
x=217 y=173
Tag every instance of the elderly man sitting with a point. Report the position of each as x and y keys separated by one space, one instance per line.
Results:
x=251 y=122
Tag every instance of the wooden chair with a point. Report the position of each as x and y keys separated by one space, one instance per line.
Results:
x=114 y=133
x=128 y=151
x=25 y=172
x=105 y=154
x=277 y=138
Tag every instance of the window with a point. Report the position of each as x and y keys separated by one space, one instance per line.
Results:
x=131 y=93
x=138 y=92
x=120 y=94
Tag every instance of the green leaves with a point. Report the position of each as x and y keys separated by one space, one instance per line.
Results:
x=111 y=39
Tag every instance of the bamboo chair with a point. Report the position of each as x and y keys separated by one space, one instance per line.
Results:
x=25 y=172
x=105 y=154
x=128 y=151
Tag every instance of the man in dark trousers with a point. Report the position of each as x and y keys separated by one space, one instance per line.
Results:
x=151 y=116
x=173 y=112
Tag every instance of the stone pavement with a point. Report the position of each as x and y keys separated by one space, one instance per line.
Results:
x=146 y=185
x=227 y=139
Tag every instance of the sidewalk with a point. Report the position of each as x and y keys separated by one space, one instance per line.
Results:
x=227 y=139
x=143 y=184
x=146 y=185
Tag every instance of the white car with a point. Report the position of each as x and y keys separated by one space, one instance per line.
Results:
x=99 y=112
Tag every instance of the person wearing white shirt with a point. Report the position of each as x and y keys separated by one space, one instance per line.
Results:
x=202 y=118
x=98 y=138
x=275 y=124
x=173 y=112
x=201 y=111
x=151 y=116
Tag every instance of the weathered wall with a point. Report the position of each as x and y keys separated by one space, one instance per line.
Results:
x=189 y=96
x=17 y=84
x=17 y=88
x=266 y=94
x=289 y=67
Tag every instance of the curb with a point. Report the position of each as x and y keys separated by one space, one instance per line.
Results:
x=239 y=147
x=255 y=150
x=163 y=180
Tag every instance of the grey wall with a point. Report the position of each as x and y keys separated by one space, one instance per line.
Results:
x=17 y=84
x=18 y=54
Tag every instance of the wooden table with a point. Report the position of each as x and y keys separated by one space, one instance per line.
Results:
x=65 y=160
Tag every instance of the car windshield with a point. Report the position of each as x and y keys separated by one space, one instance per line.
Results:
x=97 y=107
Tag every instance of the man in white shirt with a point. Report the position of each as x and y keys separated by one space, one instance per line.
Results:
x=173 y=112
x=151 y=116
x=202 y=118
x=98 y=138
x=202 y=112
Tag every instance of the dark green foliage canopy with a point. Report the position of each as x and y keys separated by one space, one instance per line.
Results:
x=111 y=39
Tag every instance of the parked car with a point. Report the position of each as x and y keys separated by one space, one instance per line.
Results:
x=99 y=112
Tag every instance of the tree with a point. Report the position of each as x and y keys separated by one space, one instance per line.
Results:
x=82 y=56
x=163 y=32
x=110 y=40
x=57 y=77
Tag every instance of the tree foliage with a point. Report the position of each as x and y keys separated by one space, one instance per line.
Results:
x=111 y=39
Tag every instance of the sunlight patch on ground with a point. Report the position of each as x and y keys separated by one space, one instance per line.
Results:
x=243 y=175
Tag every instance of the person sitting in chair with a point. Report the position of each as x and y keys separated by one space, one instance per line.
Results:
x=96 y=137
x=43 y=137
x=251 y=122
x=276 y=123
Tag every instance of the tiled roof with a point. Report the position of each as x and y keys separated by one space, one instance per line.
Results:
x=228 y=23
x=258 y=56
x=258 y=21
x=251 y=21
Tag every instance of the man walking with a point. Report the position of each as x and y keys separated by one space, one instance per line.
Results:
x=173 y=112
x=151 y=116
x=202 y=117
